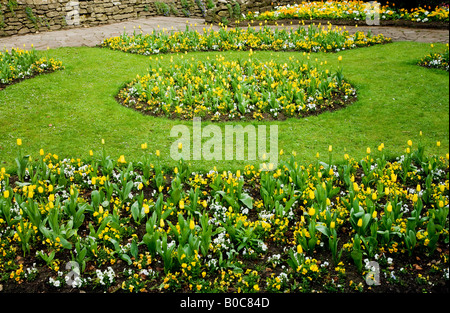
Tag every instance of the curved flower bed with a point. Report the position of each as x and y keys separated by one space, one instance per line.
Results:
x=436 y=60
x=351 y=10
x=240 y=89
x=309 y=39
x=106 y=225
x=18 y=64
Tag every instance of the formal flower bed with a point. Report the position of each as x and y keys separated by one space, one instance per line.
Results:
x=309 y=39
x=102 y=224
x=351 y=10
x=436 y=59
x=242 y=89
x=18 y=64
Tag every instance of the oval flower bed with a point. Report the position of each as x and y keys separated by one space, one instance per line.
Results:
x=18 y=64
x=309 y=39
x=106 y=225
x=351 y=10
x=227 y=90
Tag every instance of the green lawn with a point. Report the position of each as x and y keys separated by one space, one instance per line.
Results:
x=68 y=112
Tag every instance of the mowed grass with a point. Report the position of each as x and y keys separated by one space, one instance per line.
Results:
x=69 y=112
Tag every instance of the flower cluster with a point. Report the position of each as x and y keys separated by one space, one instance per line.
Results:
x=18 y=64
x=436 y=60
x=141 y=227
x=309 y=39
x=351 y=10
x=221 y=89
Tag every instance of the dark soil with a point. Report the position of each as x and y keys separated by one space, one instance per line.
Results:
x=16 y=81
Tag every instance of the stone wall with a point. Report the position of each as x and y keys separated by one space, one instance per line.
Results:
x=227 y=10
x=28 y=16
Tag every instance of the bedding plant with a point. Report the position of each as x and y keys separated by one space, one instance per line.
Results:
x=436 y=59
x=101 y=224
x=19 y=64
x=310 y=39
x=352 y=10
x=235 y=90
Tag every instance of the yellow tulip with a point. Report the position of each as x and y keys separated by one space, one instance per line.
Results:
x=19 y=142
x=360 y=221
x=121 y=159
x=389 y=207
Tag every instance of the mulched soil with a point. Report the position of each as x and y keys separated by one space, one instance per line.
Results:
x=16 y=81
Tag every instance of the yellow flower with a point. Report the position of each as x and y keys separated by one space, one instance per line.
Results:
x=180 y=146
x=158 y=153
x=360 y=222
x=121 y=159
x=340 y=58
x=311 y=195
x=191 y=225
x=409 y=143
x=181 y=204
x=389 y=207
x=311 y=211
x=374 y=214
x=6 y=194
x=368 y=150
x=332 y=225
x=330 y=148
x=299 y=249
x=19 y=142
x=438 y=143
x=41 y=152
x=161 y=223
x=146 y=208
